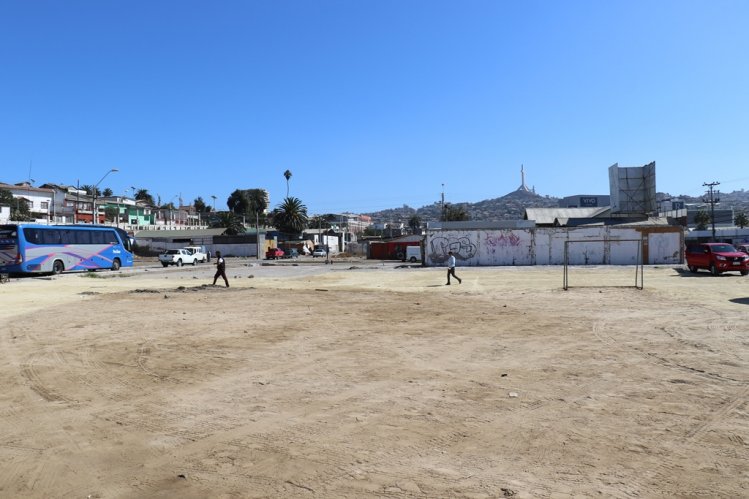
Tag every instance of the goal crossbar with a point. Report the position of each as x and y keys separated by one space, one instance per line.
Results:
x=639 y=266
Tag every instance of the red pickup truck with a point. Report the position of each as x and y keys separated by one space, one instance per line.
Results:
x=274 y=254
x=717 y=258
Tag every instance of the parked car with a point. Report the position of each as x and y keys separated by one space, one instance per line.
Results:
x=319 y=252
x=274 y=254
x=199 y=251
x=413 y=254
x=744 y=248
x=717 y=258
x=177 y=257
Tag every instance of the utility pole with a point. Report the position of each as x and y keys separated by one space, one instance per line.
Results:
x=712 y=200
x=443 y=203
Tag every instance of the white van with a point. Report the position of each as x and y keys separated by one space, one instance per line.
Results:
x=413 y=254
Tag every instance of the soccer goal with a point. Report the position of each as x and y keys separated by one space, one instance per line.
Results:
x=622 y=252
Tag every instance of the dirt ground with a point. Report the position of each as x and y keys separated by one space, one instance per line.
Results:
x=364 y=379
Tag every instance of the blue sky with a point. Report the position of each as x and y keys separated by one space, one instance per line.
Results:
x=373 y=105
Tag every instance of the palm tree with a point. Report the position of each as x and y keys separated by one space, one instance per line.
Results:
x=290 y=216
x=229 y=221
x=143 y=195
x=107 y=192
x=287 y=176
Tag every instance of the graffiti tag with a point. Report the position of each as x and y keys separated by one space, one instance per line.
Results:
x=462 y=248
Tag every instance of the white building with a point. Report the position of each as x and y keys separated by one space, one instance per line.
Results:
x=41 y=201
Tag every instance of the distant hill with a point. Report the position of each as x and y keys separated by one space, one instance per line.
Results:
x=512 y=206
x=508 y=207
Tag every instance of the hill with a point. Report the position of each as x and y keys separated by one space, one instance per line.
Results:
x=512 y=206
x=508 y=207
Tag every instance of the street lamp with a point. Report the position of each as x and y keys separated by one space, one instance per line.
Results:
x=214 y=203
x=94 y=213
x=171 y=210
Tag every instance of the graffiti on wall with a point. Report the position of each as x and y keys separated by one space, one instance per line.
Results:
x=493 y=242
x=462 y=248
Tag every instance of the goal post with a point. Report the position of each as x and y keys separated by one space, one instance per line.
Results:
x=603 y=255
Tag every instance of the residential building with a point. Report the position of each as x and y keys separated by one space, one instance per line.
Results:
x=40 y=200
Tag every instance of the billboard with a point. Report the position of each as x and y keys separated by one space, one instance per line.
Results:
x=632 y=189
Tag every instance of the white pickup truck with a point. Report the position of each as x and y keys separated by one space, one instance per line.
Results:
x=199 y=251
x=178 y=257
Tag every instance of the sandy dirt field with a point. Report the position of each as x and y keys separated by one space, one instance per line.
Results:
x=363 y=379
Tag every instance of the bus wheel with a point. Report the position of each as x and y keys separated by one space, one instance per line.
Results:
x=58 y=267
x=116 y=264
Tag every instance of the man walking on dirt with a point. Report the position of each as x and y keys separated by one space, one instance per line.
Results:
x=451 y=268
x=220 y=269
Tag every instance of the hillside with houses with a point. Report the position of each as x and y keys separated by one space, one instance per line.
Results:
x=512 y=206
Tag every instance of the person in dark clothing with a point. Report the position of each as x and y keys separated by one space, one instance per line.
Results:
x=220 y=269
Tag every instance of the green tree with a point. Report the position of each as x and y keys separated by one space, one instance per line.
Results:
x=701 y=220
x=238 y=202
x=20 y=211
x=414 y=223
x=249 y=202
x=6 y=198
x=741 y=219
x=287 y=176
x=455 y=213
x=257 y=204
x=19 y=208
x=228 y=220
x=144 y=195
x=107 y=192
x=200 y=205
x=111 y=213
x=290 y=216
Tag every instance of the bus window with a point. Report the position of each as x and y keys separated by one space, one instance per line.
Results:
x=110 y=237
x=68 y=237
x=51 y=236
x=31 y=235
x=82 y=237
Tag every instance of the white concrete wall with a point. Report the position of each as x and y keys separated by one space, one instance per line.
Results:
x=546 y=246
x=665 y=248
x=244 y=249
